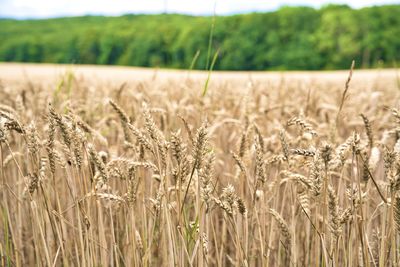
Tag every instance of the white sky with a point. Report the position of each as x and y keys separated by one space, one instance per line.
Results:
x=55 y=8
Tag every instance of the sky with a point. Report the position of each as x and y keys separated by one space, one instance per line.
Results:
x=58 y=8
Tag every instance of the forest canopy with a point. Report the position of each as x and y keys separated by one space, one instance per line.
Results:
x=300 y=38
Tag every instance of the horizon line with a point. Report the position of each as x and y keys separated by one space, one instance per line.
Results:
x=193 y=14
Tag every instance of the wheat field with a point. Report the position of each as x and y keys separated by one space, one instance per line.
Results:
x=281 y=170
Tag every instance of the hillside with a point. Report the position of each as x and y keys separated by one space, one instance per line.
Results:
x=299 y=38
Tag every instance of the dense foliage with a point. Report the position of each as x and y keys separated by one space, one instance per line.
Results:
x=290 y=38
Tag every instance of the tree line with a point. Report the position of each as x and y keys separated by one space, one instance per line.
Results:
x=300 y=38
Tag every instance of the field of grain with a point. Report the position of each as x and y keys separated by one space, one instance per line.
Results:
x=132 y=167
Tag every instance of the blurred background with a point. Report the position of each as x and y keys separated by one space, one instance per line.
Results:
x=230 y=35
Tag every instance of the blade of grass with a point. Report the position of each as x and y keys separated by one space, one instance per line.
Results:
x=209 y=73
x=210 y=38
x=194 y=60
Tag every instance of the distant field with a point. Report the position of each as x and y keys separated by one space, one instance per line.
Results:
x=118 y=166
x=51 y=72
